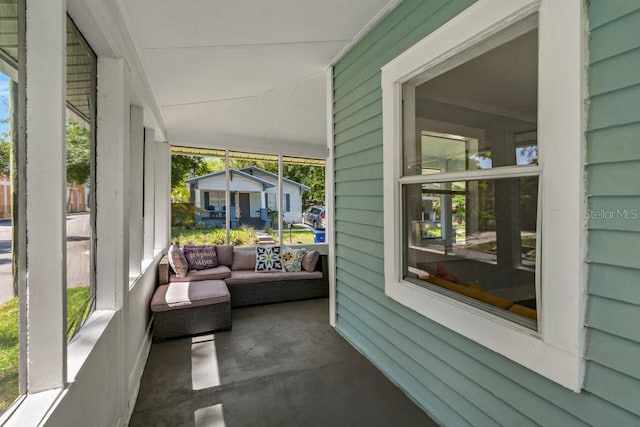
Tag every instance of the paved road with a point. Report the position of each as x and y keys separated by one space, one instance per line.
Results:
x=78 y=254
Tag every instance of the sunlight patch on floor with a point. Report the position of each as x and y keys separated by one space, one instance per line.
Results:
x=204 y=363
x=211 y=416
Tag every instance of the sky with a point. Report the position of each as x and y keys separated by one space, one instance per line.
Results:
x=4 y=103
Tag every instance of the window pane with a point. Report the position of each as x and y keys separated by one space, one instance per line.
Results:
x=9 y=307
x=254 y=198
x=479 y=115
x=198 y=203
x=477 y=239
x=304 y=186
x=81 y=113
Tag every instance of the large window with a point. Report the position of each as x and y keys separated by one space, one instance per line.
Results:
x=483 y=181
x=81 y=112
x=470 y=223
x=242 y=204
x=9 y=142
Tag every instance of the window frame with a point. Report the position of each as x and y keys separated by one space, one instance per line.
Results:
x=556 y=351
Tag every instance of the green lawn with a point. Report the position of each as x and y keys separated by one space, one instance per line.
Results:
x=76 y=309
x=302 y=236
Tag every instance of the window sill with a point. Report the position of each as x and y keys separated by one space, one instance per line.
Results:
x=82 y=345
x=32 y=409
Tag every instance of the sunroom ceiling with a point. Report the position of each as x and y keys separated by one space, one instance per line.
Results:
x=244 y=73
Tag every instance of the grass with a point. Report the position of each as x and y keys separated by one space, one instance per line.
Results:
x=302 y=236
x=8 y=353
x=9 y=338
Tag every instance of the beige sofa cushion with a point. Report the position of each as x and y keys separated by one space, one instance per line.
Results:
x=225 y=255
x=179 y=295
x=218 y=273
x=244 y=260
x=250 y=276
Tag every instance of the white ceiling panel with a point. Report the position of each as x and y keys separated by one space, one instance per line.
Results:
x=252 y=117
x=252 y=70
x=232 y=72
x=170 y=23
x=304 y=119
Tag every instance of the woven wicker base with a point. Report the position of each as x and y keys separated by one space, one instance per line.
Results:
x=191 y=321
x=272 y=292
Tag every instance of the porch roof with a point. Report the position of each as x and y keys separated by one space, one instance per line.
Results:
x=219 y=175
x=274 y=176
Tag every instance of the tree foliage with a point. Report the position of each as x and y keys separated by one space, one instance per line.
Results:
x=5 y=154
x=78 y=153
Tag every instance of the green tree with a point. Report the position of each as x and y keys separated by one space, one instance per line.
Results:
x=5 y=154
x=78 y=153
x=181 y=168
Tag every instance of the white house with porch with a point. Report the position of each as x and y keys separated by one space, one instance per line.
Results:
x=253 y=195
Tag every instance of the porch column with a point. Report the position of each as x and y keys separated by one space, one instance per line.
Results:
x=264 y=213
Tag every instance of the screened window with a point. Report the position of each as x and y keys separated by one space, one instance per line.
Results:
x=80 y=222
x=240 y=201
x=10 y=221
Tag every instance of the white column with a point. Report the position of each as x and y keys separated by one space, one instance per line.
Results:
x=136 y=181
x=227 y=195
x=279 y=218
x=149 y=192
x=45 y=298
x=112 y=212
x=112 y=185
x=162 y=195
x=329 y=202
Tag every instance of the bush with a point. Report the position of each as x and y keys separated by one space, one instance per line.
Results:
x=213 y=236
x=183 y=215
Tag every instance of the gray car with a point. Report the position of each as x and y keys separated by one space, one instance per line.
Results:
x=315 y=217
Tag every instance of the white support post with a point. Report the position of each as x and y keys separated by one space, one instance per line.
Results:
x=280 y=213
x=329 y=202
x=136 y=170
x=227 y=196
x=149 y=192
x=162 y=195
x=45 y=298
x=112 y=180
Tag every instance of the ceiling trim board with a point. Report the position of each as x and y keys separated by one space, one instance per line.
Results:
x=365 y=30
x=247 y=144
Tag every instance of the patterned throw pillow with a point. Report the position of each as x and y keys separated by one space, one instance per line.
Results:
x=268 y=258
x=177 y=261
x=201 y=257
x=292 y=259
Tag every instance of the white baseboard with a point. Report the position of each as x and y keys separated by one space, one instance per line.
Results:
x=137 y=371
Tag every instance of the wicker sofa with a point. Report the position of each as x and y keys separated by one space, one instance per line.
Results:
x=205 y=297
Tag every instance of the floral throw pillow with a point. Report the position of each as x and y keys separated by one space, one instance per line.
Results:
x=268 y=258
x=201 y=257
x=292 y=259
x=177 y=261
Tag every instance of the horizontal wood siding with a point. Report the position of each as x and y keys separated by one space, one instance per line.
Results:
x=454 y=379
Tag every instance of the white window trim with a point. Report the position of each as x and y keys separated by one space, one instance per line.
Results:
x=556 y=350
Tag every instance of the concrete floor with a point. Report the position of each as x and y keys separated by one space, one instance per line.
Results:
x=281 y=365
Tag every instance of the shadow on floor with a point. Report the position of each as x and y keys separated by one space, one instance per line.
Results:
x=281 y=365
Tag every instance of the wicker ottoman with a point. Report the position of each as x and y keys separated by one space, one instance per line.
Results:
x=190 y=308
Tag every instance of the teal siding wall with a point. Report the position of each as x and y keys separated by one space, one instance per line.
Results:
x=457 y=381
